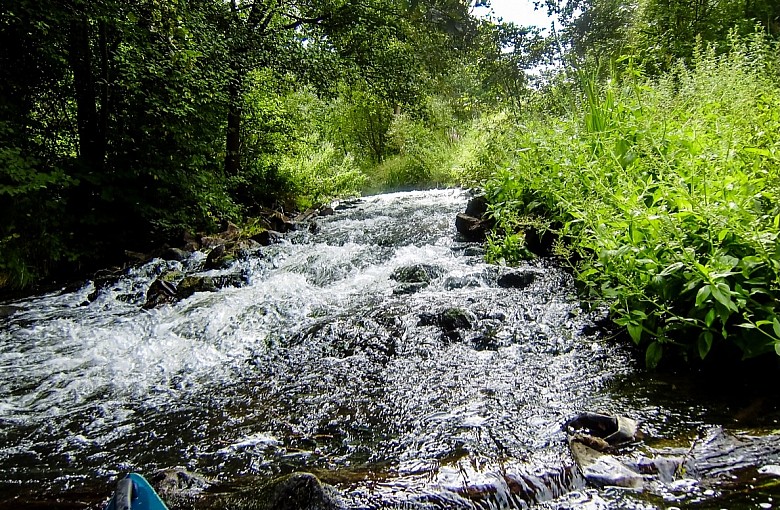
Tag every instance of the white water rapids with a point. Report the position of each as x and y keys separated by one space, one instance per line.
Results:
x=319 y=363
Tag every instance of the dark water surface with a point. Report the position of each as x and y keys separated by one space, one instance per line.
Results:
x=320 y=364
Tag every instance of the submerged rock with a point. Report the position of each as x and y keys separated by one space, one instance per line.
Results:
x=451 y=321
x=297 y=491
x=462 y=282
x=603 y=469
x=414 y=278
x=178 y=487
x=417 y=273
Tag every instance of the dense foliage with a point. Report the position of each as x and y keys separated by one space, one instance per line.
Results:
x=124 y=124
x=643 y=134
x=662 y=189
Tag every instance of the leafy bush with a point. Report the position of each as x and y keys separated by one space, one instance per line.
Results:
x=668 y=192
x=318 y=173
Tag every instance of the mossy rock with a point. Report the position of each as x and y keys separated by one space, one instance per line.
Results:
x=417 y=273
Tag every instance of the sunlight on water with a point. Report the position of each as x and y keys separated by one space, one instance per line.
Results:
x=318 y=363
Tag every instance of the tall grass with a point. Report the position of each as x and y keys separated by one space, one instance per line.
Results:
x=667 y=194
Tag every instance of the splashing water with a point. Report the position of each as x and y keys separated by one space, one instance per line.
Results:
x=320 y=363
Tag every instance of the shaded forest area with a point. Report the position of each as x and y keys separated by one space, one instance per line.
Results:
x=125 y=124
x=643 y=135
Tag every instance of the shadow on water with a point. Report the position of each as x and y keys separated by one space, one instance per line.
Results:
x=379 y=353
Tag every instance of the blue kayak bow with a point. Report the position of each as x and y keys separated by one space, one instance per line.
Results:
x=134 y=493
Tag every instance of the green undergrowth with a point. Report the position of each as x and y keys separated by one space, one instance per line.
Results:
x=665 y=195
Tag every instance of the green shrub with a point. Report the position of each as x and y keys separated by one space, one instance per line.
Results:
x=667 y=191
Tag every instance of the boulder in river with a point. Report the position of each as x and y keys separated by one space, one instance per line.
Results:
x=417 y=273
x=516 y=278
x=474 y=224
x=176 y=254
x=451 y=321
x=163 y=290
x=174 y=286
x=615 y=430
x=414 y=278
x=267 y=237
x=219 y=257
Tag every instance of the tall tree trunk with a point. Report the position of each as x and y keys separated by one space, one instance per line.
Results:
x=233 y=138
x=91 y=139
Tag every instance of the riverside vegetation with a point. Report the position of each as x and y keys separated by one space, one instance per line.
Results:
x=664 y=191
x=650 y=148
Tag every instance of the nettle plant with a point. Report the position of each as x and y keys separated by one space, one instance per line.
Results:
x=668 y=191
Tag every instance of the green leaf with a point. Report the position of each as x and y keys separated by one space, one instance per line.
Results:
x=777 y=348
x=672 y=268
x=653 y=354
x=705 y=343
x=710 y=317
x=722 y=294
x=702 y=295
x=635 y=330
x=776 y=327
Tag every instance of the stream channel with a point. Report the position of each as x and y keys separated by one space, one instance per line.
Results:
x=327 y=360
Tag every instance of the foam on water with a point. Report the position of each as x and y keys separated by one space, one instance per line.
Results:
x=314 y=365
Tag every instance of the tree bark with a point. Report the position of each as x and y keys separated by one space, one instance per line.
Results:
x=91 y=138
x=233 y=138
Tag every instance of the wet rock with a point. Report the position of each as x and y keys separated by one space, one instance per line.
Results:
x=220 y=258
x=178 y=487
x=409 y=288
x=7 y=311
x=455 y=318
x=297 y=491
x=174 y=286
x=462 y=282
x=163 y=290
x=721 y=452
x=474 y=251
x=516 y=279
x=176 y=254
x=450 y=321
x=602 y=469
x=414 y=278
x=474 y=224
x=470 y=227
x=477 y=207
x=487 y=342
x=417 y=273
x=282 y=223
x=348 y=204
x=206 y=283
x=267 y=237
x=327 y=211
x=615 y=430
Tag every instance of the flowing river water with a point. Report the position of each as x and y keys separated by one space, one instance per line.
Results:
x=450 y=395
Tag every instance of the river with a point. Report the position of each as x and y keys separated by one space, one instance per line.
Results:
x=326 y=361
